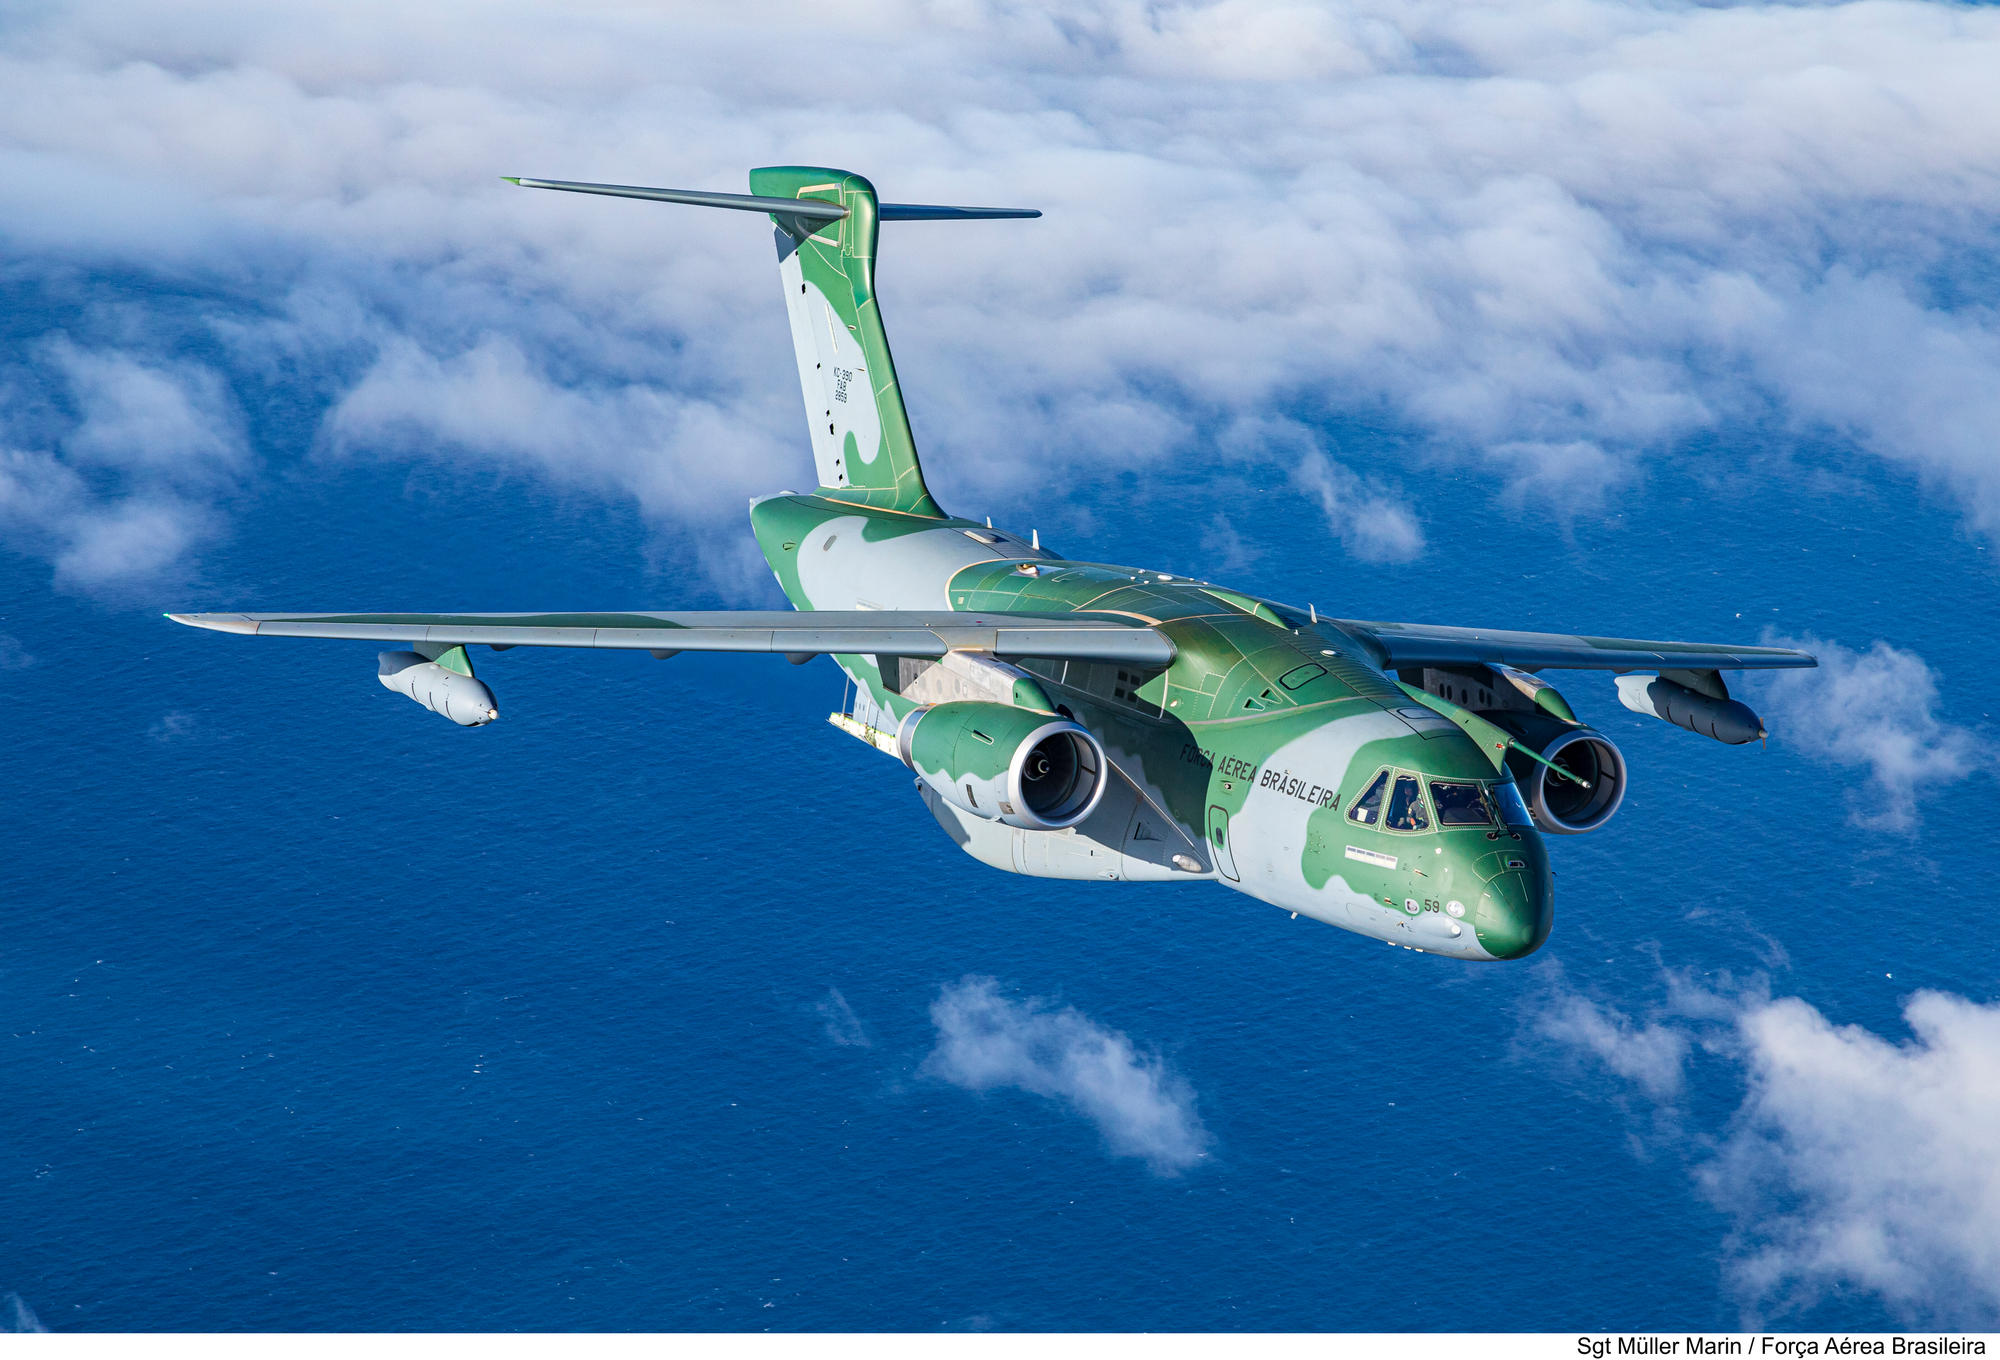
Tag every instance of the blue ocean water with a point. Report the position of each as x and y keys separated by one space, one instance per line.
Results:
x=317 y=1012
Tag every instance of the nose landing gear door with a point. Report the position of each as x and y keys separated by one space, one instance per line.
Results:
x=1218 y=842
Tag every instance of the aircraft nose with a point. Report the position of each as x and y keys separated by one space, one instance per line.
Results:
x=1515 y=914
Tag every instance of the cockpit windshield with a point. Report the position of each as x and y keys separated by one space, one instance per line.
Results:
x=1406 y=807
x=1460 y=804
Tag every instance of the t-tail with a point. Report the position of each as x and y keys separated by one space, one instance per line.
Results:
x=827 y=223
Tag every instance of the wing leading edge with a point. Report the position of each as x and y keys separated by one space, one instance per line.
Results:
x=792 y=632
x=1417 y=644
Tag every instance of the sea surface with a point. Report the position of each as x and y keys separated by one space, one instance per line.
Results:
x=318 y=1012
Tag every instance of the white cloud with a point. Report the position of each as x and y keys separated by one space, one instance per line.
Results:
x=491 y=401
x=177 y=418
x=1224 y=545
x=1562 y=480
x=1556 y=237
x=1855 y=1161
x=128 y=540
x=1143 y=1109
x=1371 y=525
x=16 y=1316
x=1367 y=518
x=843 y=1026
x=1851 y=1162
x=1877 y=710
x=1649 y=1054
x=172 y=727
x=96 y=539
x=131 y=455
x=13 y=656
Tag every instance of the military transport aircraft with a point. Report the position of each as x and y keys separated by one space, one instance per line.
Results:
x=1082 y=720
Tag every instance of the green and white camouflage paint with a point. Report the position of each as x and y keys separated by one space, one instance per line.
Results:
x=1084 y=720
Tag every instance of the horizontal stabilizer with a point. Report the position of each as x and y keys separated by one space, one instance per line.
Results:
x=790 y=207
x=813 y=209
x=931 y=212
x=795 y=633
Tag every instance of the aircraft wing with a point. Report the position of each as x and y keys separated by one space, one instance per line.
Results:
x=797 y=633
x=1422 y=644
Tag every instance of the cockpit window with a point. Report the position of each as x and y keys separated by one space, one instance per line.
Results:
x=1367 y=808
x=1406 y=806
x=1460 y=804
x=1513 y=811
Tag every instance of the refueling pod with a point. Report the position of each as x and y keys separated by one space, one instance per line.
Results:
x=463 y=699
x=1006 y=764
x=1712 y=714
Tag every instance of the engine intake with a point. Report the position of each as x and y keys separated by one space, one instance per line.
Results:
x=1005 y=764
x=1565 y=807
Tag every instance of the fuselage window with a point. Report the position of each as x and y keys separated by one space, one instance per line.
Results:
x=1368 y=807
x=1406 y=806
x=1460 y=804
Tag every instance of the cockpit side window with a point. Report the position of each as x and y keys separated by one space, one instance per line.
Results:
x=1367 y=808
x=1406 y=806
x=1460 y=804
x=1513 y=811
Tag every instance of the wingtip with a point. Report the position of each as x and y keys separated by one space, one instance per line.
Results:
x=221 y=623
x=514 y=180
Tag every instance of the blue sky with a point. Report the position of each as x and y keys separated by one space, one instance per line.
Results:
x=1549 y=255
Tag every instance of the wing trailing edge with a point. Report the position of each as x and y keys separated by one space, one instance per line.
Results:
x=1417 y=644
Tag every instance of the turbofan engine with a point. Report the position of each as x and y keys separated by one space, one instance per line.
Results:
x=1005 y=764
x=1561 y=806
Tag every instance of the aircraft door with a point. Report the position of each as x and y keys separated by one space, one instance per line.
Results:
x=1218 y=842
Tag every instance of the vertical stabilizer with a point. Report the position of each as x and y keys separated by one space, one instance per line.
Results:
x=826 y=222
x=862 y=445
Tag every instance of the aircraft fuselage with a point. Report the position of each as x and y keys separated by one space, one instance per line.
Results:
x=1250 y=760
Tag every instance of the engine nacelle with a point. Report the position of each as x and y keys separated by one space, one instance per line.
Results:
x=1724 y=719
x=1005 y=764
x=1564 y=807
x=461 y=698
